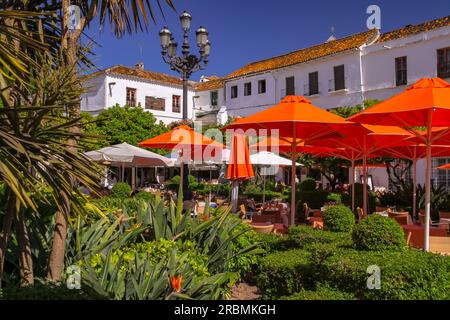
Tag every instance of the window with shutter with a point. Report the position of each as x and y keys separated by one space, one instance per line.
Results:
x=290 y=86
x=131 y=97
x=443 y=63
x=401 y=74
x=314 y=83
x=176 y=105
x=339 y=78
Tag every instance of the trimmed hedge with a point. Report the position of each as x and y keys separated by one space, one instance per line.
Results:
x=303 y=236
x=315 y=199
x=322 y=292
x=410 y=274
x=309 y=184
x=338 y=219
x=378 y=233
x=284 y=273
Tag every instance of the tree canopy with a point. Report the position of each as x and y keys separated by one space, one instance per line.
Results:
x=122 y=124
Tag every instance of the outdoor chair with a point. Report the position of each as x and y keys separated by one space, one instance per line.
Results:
x=360 y=213
x=306 y=210
x=444 y=225
x=380 y=209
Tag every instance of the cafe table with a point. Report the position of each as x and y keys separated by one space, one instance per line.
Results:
x=418 y=233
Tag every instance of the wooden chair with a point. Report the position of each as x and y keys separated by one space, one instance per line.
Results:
x=306 y=211
x=243 y=211
x=380 y=209
x=444 y=214
x=360 y=213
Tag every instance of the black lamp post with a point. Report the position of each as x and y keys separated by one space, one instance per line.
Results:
x=185 y=64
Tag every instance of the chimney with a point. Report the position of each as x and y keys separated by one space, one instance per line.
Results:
x=139 y=65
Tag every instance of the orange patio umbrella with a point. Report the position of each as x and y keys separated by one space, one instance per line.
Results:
x=444 y=167
x=426 y=103
x=293 y=117
x=239 y=166
x=190 y=144
x=362 y=141
x=284 y=145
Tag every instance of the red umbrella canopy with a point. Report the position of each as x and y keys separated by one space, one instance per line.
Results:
x=429 y=97
x=362 y=138
x=192 y=144
x=411 y=152
x=284 y=145
x=294 y=116
x=239 y=167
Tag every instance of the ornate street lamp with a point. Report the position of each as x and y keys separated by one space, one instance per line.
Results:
x=185 y=64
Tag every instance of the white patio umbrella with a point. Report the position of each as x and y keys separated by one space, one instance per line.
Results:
x=126 y=155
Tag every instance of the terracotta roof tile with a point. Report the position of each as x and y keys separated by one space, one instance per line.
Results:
x=307 y=54
x=210 y=85
x=143 y=74
x=414 y=29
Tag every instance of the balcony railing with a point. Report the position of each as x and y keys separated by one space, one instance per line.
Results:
x=307 y=90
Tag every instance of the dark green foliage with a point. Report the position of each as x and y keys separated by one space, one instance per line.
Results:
x=409 y=274
x=315 y=199
x=121 y=190
x=335 y=197
x=378 y=233
x=359 y=187
x=123 y=124
x=45 y=290
x=283 y=273
x=309 y=184
x=305 y=236
x=339 y=219
x=255 y=192
x=322 y=292
x=242 y=263
x=146 y=196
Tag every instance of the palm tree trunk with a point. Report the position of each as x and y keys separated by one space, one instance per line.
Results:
x=69 y=47
x=56 y=260
x=25 y=256
x=6 y=229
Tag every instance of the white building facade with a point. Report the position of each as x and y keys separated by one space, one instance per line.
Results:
x=335 y=73
x=157 y=93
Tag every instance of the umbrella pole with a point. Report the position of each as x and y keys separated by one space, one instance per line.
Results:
x=210 y=187
x=234 y=195
x=264 y=188
x=426 y=242
x=414 y=184
x=365 y=178
x=353 y=182
x=293 y=176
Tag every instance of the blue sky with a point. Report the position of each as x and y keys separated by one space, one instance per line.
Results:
x=243 y=31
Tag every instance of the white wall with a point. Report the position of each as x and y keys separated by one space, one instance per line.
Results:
x=93 y=100
x=116 y=94
x=275 y=85
x=420 y=50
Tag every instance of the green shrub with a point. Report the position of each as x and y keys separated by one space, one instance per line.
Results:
x=303 y=236
x=142 y=195
x=409 y=274
x=46 y=290
x=121 y=190
x=378 y=233
x=371 y=197
x=284 y=273
x=315 y=199
x=270 y=242
x=339 y=219
x=335 y=197
x=322 y=292
x=309 y=184
x=243 y=263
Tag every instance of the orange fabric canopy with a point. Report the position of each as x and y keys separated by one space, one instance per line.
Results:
x=183 y=138
x=239 y=167
x=284 y=145
x=413 y=151
x=294 y=116
x=411 y=107
x=444 y=167
x=365 y=139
